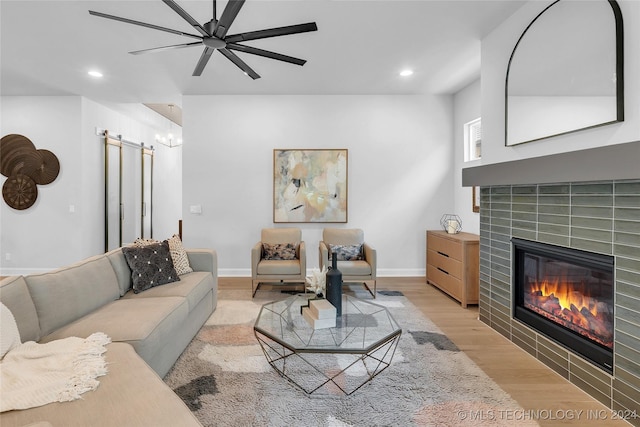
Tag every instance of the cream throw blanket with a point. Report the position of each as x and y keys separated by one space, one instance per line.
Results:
x=33 y=374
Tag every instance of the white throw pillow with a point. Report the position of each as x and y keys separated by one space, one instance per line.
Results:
x=9 y=334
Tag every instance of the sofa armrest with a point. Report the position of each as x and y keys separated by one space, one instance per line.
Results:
x=203 y=260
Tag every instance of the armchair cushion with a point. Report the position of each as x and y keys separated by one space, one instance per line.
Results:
x=279 y=251
x=347 y=252
x=354 y=268
x=279 y=267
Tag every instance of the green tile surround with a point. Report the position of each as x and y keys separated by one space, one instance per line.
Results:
x=602 y=217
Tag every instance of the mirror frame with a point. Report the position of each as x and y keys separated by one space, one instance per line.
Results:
x=617 y=13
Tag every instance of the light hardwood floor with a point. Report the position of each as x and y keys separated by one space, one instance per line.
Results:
x=546 y=396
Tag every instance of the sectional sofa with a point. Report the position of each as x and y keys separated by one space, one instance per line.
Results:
x=149 y=330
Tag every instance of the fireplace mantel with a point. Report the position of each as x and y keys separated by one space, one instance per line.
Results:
x=611 y=162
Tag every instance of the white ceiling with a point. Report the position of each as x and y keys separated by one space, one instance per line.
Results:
x=48 y=46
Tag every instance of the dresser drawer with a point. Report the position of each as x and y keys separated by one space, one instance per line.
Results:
x=453 y=264
x=445 y=246
x=445 y=282
x=448 y=264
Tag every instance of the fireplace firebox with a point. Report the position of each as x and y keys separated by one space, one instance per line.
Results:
x=567 y=295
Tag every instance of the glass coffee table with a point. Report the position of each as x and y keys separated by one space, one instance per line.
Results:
x=339 y=359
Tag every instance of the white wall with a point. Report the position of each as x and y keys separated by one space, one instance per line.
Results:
x=49 y=235
x=466 y=107
x=399 y=173
x=46 y=234
x=496 y=50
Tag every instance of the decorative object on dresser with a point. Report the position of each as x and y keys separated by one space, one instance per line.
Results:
x=453 y=264
x=451 y=223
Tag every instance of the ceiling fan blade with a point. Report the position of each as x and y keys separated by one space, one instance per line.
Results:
x=228 y=16
x=163 y=48
x=142 y=24
x=272 y=32
x=239 y=63
x=267 y=54
x=183 y=13
x=202 y=62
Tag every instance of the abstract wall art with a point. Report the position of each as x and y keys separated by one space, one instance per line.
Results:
x=310 y=185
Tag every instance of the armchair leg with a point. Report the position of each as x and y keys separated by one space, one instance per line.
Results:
x=375 y=284
x=255 y=284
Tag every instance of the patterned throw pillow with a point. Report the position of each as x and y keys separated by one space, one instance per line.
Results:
x=139 y=243
x=179 y=256
x=279 y=251
x=150 y=265
x=347 y=252
x=178 y=253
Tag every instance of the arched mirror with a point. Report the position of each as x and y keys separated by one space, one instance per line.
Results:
x=566 y=71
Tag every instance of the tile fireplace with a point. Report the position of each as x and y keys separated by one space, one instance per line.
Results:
x=601 y=219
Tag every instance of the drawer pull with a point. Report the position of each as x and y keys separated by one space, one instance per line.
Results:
x=444 y=271
x=443 y=254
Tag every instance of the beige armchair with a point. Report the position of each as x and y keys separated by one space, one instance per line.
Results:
x=280 y=256
x=362 y=265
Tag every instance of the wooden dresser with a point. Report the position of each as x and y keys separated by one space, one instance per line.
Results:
x=453 y=263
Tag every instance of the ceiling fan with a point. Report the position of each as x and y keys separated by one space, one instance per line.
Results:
x=213 y=36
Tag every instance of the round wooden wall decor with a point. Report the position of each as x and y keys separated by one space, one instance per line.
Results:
x=25 y=167
x=19 y=191
x=12 y=149
x=48 y=168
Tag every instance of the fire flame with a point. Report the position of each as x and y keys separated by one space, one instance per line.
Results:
x=566 y=295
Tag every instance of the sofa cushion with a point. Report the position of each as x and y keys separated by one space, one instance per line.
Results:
x=192 y=286
x=145 y=323
x=121 y=268
x=131 y=394
x=14 y=293
x=65 y=295
x=150 y=265
x=279 y=251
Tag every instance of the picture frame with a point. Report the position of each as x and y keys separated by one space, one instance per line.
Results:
x=310 y=185
x=475 y=202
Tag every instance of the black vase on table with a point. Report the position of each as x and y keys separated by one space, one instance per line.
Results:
x=334 y=285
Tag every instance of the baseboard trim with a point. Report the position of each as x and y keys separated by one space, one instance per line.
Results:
x=231 y=272
x=385 y=272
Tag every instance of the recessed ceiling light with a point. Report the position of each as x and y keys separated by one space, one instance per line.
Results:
x=406 y=73
x=94 y=73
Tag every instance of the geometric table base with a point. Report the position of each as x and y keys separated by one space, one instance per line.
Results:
x=312 y=370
